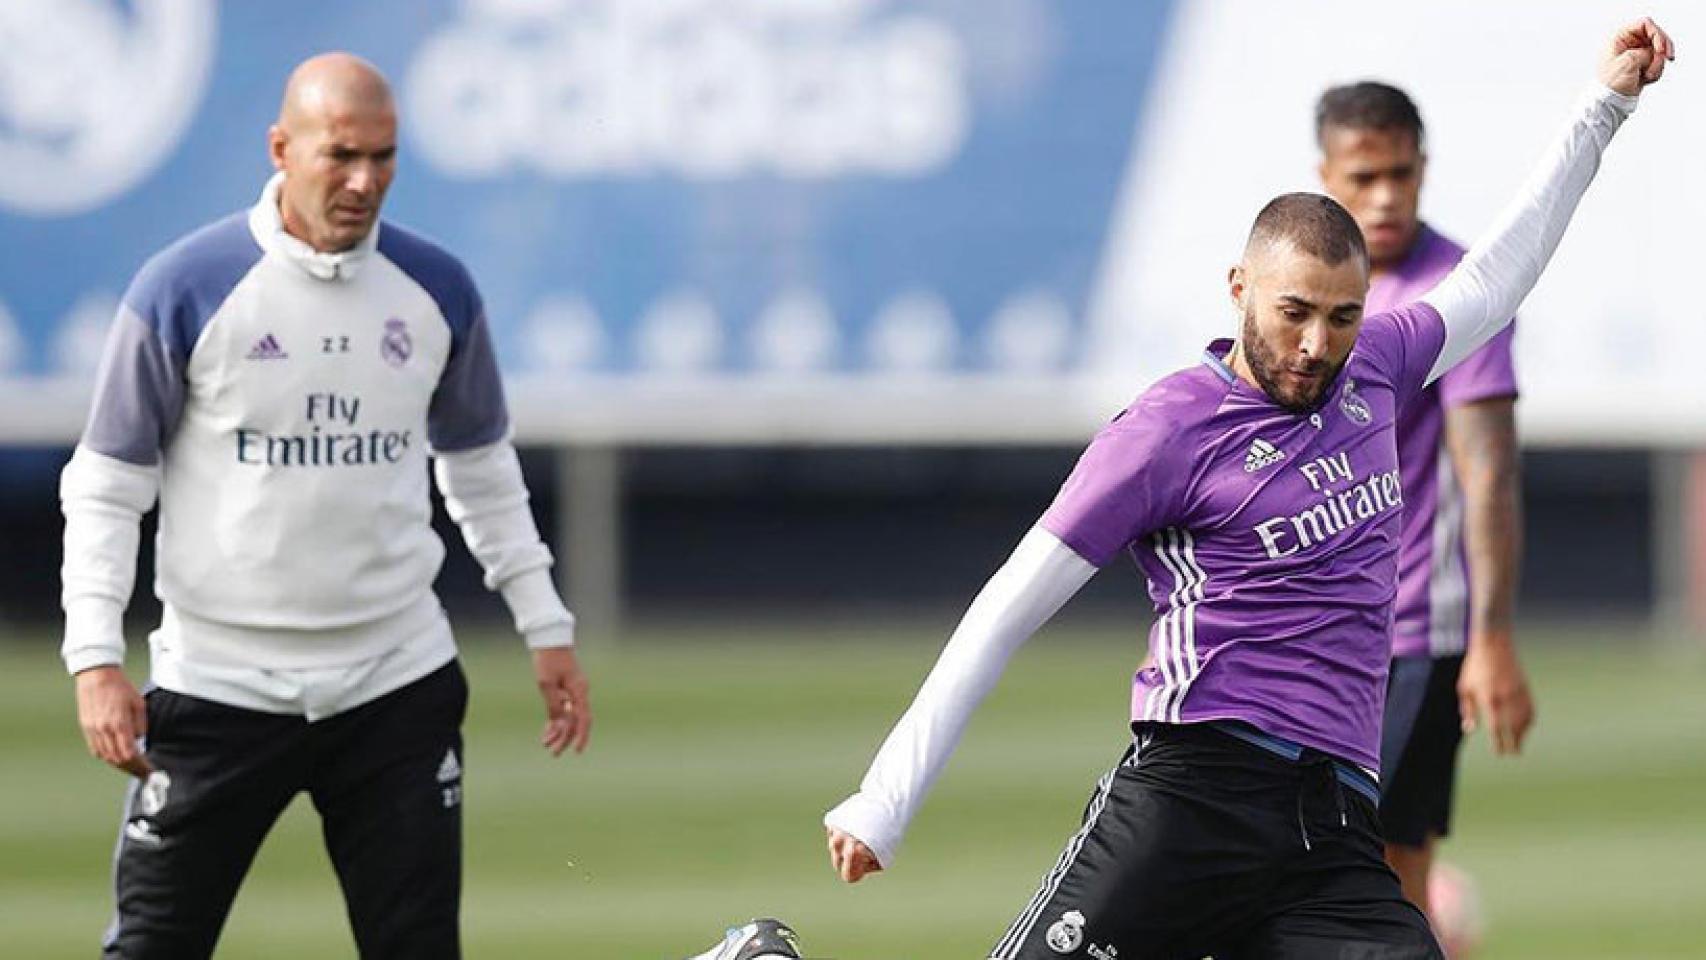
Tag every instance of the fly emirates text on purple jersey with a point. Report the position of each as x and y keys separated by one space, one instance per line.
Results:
x=1269 y=538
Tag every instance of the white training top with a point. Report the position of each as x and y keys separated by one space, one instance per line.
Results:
x=282 y=403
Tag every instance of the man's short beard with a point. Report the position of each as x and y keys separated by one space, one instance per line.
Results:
x=1266 y=368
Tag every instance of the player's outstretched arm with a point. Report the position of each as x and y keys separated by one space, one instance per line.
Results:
x=1479 y=297
x=1041 y=575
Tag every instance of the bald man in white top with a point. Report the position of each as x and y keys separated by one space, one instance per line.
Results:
x=277 y=381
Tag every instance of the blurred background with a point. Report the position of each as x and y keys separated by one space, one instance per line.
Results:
x=805 y=309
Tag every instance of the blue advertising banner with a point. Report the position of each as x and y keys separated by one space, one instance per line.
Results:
x=660 y=190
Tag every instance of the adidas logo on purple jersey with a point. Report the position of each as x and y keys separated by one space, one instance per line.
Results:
x=267 y=348
x=1262 y=454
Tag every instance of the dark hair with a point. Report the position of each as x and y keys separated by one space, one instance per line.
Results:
x=1313 y=223
x=1369 y=105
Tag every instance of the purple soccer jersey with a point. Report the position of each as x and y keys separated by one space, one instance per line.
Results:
x=1269 y=538
x=1431 y=617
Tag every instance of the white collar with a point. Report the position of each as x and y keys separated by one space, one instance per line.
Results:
x=267 y=225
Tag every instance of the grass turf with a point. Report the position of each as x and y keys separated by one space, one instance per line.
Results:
x=715 y=755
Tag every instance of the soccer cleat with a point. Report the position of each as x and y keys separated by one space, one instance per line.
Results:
x=764 y=939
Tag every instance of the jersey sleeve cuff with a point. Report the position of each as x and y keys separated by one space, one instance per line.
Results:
x=553 y=637
x=870 y=822
x=539 y=614
x=94 y=635
x=1078 y=542
x=1464 y=398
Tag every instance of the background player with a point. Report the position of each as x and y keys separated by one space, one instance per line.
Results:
x=276 y=379
x=1240 y=823
x=1457 y=454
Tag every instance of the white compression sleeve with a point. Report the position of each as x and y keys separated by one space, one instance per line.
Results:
x=486 y=496
x=1480 y=296
x=103 y=499
x=1041 y=575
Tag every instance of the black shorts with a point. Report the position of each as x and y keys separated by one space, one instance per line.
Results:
x=1201 y=844
x=1418 y=749
x=386 y=778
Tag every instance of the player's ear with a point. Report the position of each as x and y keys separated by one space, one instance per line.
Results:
x=277 y=140
x=1235 y=286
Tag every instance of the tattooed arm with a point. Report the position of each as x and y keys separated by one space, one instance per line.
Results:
x=1492 y=688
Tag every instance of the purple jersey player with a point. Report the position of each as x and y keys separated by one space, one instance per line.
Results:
x=1229 y=501
x=1432 y=615
x=1457 y=452
x=1259 y=492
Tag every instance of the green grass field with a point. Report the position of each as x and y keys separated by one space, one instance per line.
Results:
x=714 y=758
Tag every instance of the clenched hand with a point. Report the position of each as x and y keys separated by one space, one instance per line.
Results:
x=849 y=856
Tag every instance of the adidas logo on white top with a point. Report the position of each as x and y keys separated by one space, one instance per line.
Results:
x=267 y=348
x=1262 y=454
x=449 y=769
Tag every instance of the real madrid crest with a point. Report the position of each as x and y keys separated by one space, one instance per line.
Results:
x=1353 y=406
x=1066 y=934
x=395 y=345
x=155 y=791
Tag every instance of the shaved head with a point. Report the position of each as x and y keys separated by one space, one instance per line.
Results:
x=1310 y=223
x=335 y=141
x=332 y=83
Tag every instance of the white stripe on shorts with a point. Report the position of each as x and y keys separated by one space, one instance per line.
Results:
x=1027 y=918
